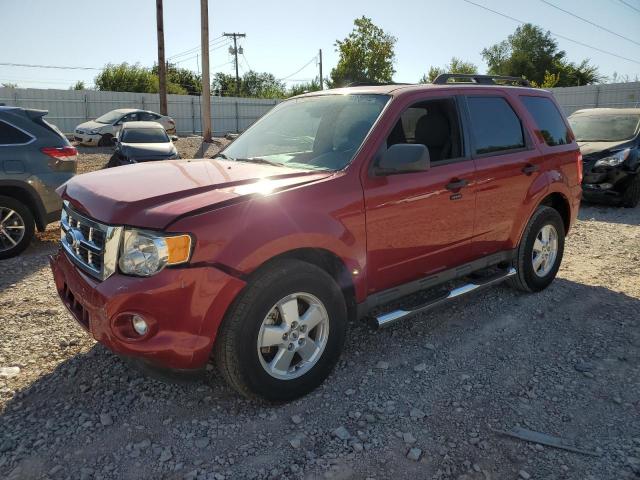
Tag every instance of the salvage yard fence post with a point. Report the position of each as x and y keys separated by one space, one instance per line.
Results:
x=68 y=108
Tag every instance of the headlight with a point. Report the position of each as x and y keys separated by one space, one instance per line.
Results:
x=93 y=132
x=145 y=253
x=614 y=160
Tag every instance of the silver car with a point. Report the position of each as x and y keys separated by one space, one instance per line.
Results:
x=103 y=129
x=35 y=159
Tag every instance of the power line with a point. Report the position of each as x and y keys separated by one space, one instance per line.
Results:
x=315 y=57
x=246 y=61
x=589 y=22
x=58 y=67
x=553 y=33
x=629 y=5
x=193 y=49
x=198 y=55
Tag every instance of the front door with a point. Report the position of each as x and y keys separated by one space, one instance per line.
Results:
x=422 y=222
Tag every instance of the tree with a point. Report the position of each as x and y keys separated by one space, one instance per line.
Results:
x=184 y=78
x=533 y=54
x=300 y=88
x=252 y=84
x=125 y=78
x=456 y=65
x=79 y=85
x=366 y=55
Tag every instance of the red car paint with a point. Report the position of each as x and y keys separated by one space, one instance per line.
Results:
x=385 y=230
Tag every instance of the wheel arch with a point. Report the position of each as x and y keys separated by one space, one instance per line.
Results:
x=560 y=203
x=25 y=194
x=327 y=261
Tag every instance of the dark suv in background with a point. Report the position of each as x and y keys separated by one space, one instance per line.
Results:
x=609 y=140
x=35 y=159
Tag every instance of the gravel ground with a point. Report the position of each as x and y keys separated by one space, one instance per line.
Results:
x=420 y=400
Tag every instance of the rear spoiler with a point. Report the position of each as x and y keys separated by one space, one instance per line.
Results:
x=34 y=114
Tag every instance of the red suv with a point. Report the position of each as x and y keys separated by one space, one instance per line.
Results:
x=330 y=207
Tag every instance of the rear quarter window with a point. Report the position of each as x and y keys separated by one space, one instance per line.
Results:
x=495 y=127
x=548 y=120
x=10 y=135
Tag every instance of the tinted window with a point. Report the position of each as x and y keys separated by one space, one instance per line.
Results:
x=10 y=135
x=144 y=135
x=148 y=116
x=548 y=119
x=494 y=125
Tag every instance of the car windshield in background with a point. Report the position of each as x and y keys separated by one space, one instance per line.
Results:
x=109 y=117
x=319 y=132
x=144 y=135
x=604 y=128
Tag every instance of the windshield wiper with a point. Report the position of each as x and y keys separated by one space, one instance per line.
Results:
x=223 y=156
x=259 y=160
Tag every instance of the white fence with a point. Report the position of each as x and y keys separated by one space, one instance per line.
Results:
x=68 y=108
x=615 y=95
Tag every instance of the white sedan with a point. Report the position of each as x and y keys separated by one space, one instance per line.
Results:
x=101 y=130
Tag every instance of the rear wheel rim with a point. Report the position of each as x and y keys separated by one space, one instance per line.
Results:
x=545 y=250
x=12 y=228
x=293 y=336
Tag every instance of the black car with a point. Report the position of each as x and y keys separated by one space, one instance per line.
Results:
x=609 y=140
x=142 y=142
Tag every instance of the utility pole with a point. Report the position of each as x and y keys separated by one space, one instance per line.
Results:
x=162 y=67
x=205 y=111
x=234 y=51
x=320 y=65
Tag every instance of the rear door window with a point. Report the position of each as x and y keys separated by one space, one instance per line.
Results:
x=10 y=135
x=495 y=127
x=548 y=119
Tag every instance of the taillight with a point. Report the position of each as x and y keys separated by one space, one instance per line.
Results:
x=580 y=166
x=61 y=153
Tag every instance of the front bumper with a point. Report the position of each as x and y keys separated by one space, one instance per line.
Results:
x=86 y=139
x=184 y=308
x=604 y=181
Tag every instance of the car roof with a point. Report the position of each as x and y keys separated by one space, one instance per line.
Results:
x=145 y=124
x=397 y=88
x=126 y=110
x=606 y=111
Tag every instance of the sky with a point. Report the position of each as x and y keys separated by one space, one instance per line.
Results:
x=283 y=36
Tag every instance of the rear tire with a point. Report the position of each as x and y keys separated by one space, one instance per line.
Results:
x=105 y=140
x=537 y=261
x=631 y=195
x=262 y=315
x=17 y=227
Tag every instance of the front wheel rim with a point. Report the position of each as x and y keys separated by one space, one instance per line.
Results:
x=293 y=336
x=545 y=251
x=12 y=228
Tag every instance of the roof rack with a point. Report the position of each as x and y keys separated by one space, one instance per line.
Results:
x=444 y=78
x=373 y=84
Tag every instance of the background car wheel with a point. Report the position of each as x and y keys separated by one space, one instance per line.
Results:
x=284 y=334
x=539 y=254
x=631 y=195
x=16 y=227
x=106 y=140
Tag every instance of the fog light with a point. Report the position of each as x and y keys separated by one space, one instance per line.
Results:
x=139 y=325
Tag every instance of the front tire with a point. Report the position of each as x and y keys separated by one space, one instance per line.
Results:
x=17 y=227
x=106 y=140
x=284 y=333
x=539 y=254
x=631 y=194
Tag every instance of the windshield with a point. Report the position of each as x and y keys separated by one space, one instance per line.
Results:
x=144 y=135
x=604 y=128
x=110 y=117
x=320 y=132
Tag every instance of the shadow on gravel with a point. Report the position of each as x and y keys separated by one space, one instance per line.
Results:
x=94 y=403
x=609 y=213
x=35 y=257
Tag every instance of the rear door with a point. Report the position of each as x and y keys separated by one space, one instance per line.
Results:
x=507 y=163
x=421 y=223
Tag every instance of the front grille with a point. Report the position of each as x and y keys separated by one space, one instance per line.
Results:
x=91 y=245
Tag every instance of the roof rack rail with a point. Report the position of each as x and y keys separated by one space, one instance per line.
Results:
x=444 y=78
x=373 y=84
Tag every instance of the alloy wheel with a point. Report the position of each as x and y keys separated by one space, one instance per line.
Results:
x=293 y=336
x=545 y=250
x=12 y=228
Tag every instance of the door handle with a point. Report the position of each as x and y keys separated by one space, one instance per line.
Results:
x=529 y=168
x=456 y=184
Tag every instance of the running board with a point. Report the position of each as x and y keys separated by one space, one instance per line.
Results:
x=388 y=319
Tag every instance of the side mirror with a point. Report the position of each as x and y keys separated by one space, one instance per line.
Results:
x=174 y=138
x=403 y=158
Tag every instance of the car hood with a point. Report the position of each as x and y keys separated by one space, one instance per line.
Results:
x=589 y=148
x=90 y=125
x=152 y=195
x=147 y=151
